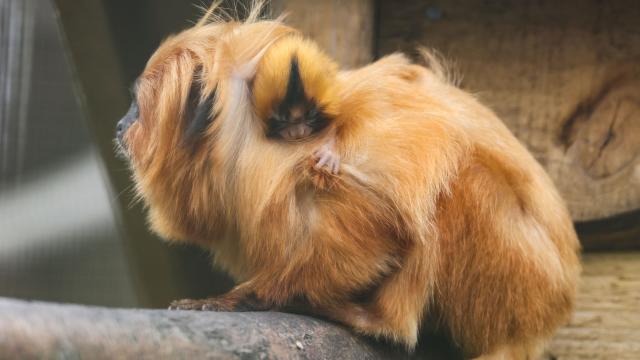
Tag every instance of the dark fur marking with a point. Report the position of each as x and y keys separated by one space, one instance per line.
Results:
x=295 y=88
x=296 y=97
x=198 y=114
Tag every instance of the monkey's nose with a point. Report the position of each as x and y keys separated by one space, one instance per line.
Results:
x=119 y=128
x=123 y=125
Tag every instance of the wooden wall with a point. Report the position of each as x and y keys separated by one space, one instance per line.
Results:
x=565 y=78
x=344 y=28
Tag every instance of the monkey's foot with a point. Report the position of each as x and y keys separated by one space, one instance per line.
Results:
x=221 y=303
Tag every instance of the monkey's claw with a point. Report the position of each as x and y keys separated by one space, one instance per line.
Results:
x=232 y=301
x=199 y=305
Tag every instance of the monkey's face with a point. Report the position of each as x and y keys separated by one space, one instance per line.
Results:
x=186 y=115
x=294 y=89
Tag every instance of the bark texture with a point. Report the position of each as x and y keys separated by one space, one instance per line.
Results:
x=563 y=76
x=36 y=330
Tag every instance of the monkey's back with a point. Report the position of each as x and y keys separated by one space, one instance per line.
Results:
x=500 y=239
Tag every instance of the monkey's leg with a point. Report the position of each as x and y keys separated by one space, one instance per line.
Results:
x=240 y=298
x=397 y=307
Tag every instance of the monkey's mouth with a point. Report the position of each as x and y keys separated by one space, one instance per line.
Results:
x=295 y=132
x=120 y=141
x=121 y=149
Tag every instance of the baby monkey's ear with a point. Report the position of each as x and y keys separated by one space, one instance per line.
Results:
x=199 y=112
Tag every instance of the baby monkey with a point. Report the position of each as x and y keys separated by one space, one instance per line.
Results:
x=304 y=111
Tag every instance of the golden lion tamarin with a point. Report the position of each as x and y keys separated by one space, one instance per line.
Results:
x=436 y=212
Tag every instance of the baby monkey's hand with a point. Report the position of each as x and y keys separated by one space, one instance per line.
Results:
x=327 y=157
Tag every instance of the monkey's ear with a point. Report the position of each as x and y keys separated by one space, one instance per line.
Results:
x=198 y=114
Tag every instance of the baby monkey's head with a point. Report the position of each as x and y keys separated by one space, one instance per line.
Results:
x=206 y=96
x=294 y=89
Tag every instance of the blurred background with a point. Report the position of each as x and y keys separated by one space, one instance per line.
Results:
x=564 y=76
x=68 y=231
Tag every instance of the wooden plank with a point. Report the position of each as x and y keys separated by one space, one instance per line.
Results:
x=564 y=77
x=606 y=323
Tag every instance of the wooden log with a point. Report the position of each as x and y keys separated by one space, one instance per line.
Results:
x=344 y=28
x=33 y=330
x=564 y=77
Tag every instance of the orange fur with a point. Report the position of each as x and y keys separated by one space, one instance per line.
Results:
x=438 y=210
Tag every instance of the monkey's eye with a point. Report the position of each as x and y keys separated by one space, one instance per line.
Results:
x=275 y=124
x=276 y=118
x=315 y=118
x=312 y=113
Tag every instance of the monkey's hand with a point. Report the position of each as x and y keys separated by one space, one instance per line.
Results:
x=327 y=159
x=324 y=165
x=238 y=300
